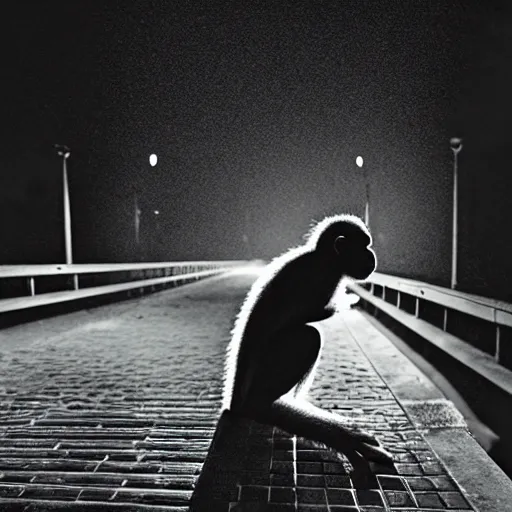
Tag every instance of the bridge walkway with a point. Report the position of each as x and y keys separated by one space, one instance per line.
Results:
x=115 y=408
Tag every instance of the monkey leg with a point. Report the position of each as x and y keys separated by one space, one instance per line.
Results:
x=286 y=368
x=269 y=399
x=306 y=420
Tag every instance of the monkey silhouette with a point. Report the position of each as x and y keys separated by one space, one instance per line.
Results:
x=274 y=349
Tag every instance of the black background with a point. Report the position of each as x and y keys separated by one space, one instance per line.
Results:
x=257 y=111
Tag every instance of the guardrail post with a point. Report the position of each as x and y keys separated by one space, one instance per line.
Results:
x=75 y=281
x=498 y=344
x=417 y=308
x=445 y=319
x=398 y=299
x=32 y=285
x=383 y=293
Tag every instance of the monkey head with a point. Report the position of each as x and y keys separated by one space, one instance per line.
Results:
x=346 y=242
x=356 y=258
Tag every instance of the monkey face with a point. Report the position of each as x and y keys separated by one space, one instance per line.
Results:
x=356 y=258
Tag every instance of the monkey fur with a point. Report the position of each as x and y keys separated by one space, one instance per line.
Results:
x=274 y=350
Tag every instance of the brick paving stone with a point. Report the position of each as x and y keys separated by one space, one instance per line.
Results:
x=391 y=483
x=337 y=481
x=152 y=497
x=282 y=495
x=259 y=493
x=399 y=499
x=24 y=464
x=311 y=481
x=340 y=496
x=453 y=500
x=429 y=500
x=117 y=405
x=15 y=477
x=96 y=494
x=367 y=497
x=81 y=479
x=55 y=506
x=308 y=507
x=282 y=455
x=285 y=479
x=311 y=495
x=11 y=491
x=50 y=493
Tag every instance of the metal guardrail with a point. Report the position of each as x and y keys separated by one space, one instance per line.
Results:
x=492 y=310
x=498 y=314
x=81 y=280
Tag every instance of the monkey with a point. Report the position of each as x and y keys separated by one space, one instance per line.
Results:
x=274 y=349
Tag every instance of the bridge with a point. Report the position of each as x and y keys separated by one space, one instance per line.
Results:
x=111 y=384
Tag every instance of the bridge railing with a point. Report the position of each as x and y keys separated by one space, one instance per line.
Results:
x=30 y=286
x=474 y=330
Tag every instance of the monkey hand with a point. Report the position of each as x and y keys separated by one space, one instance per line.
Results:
x=361 y=448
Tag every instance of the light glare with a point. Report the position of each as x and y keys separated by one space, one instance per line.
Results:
x=359 y=161
x=153 y=159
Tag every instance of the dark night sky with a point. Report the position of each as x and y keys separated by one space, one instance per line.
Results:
x=257 y=111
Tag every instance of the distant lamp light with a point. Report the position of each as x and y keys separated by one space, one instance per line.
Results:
x=62 y=150
x=456 y=144
x=157 y=212
x=153 y=159
x=359 y=161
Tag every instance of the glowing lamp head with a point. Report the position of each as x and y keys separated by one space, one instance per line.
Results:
x=153 y=159
x=456 y=144
x=359 y=161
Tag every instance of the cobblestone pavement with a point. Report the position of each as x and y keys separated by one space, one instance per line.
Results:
x=277 y=472
x=114 y=406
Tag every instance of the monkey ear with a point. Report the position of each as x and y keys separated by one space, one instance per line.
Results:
x=339 y=244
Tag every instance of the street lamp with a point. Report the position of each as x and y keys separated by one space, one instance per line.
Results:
x=156 y=239
x=360 y=163
x=153 y=159
x=456 y=146
x=137 y=212
x=64 y=152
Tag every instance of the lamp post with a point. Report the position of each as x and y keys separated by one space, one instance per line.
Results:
x=456 y=146
x=155 y=239
x=153 y=159
x=360 y=163
x=136 y=219
x=64 y=152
